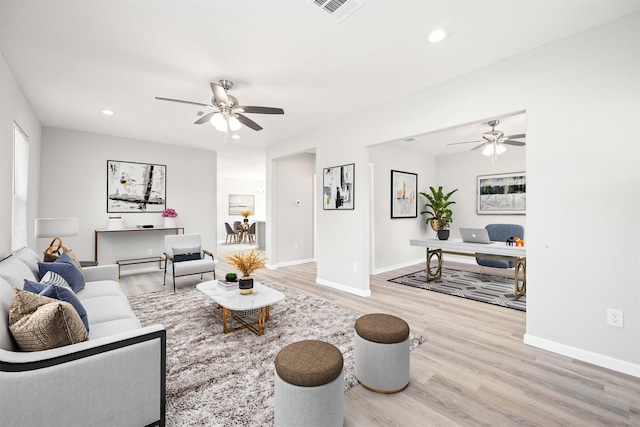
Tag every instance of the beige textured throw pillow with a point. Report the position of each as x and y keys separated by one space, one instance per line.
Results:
x=40 y=323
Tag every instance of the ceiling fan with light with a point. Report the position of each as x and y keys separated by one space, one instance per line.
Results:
x=494 y=141
x=228 y=113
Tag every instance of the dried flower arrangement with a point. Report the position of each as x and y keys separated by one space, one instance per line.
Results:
x=246 y=213
x=247 y=263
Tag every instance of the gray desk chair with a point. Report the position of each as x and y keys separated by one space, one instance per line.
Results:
x=500 y=233
x=184 y=256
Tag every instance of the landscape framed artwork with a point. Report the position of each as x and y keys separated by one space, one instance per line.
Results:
x=403 y=194
x=338 y=187
x=502 y=194
x=136 y=187
x=241 y=202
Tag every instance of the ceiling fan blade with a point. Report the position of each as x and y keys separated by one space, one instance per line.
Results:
x=518 y=136
x=185 y=102
x=248 y=122
x=478 y=146
x=204 y=119
x=220 y=94
x=262 y=110
x=512 y=142
x=466 y=142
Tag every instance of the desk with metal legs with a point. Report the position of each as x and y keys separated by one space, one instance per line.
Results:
x=494 y=250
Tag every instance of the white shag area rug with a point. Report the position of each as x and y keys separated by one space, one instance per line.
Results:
x=218 y=379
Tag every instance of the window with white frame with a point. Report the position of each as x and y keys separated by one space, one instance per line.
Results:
x=20 y=185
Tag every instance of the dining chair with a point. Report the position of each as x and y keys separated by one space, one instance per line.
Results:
x=231 y=234
x=237 y=226
x=252 y=233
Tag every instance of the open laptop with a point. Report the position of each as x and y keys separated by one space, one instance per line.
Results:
x=474 y=235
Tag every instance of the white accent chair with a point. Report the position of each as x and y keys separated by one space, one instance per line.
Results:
x=184 y=256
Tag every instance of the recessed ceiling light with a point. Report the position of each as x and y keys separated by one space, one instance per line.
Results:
x=235 y=136
x=438 y=35
x=107 y=112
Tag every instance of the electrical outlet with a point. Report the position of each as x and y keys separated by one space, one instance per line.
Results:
x=295 y=246
x=355 y=266
x=615 y=317
x=149 y=251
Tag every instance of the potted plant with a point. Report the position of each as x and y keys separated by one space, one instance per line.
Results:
x=246 y=214
x=231 y=277
x=247 y=264
x=439 y=216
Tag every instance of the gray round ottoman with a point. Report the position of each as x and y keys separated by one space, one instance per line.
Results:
x=382 y=352
x=309 y=385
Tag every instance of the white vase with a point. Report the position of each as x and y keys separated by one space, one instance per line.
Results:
x=169 y=222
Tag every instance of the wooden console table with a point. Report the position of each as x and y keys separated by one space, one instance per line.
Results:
x=494 y=250
x=178 y=230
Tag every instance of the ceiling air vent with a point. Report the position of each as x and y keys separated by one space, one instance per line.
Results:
x=339 y=9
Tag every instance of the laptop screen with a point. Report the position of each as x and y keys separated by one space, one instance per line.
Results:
x=474 y=235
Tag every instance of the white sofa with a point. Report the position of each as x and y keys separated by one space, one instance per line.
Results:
x=116 y=378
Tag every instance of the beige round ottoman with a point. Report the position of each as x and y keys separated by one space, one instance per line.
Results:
x=309 y=385
x=382 y=352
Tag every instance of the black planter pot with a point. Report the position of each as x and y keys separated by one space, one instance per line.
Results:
x=443 y=234
x=246 y=220
x=245 y=285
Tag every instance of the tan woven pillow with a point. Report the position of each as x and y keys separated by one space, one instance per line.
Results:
x=40 y=323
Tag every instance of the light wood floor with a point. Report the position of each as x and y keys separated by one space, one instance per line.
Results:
x=473 y=369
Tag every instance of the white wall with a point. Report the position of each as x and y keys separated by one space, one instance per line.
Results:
x=14 y=107
x=461 y=171
x=294 y=223
x=390 y=245
x=74 y=184
x=581 y=96
x=389 y=241
x=235 y=185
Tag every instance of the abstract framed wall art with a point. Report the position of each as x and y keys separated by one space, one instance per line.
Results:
x=503 y=194
x=403 y=194
x=136 y=187
x=338 y=187
x=241 y=202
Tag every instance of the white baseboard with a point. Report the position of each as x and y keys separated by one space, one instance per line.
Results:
x=421 y=263
x=131 y=271
x=288 y=264
x=343 y=288
x=417 y=262
x=584 y=355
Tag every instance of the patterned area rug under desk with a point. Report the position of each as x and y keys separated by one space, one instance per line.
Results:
x=464 y=284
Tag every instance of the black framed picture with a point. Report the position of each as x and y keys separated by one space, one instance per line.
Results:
x=136 y=187
x=404 y=190
x=338 y=187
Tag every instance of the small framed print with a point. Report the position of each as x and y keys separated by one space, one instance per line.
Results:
x=404 y=187
x=338 y=189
